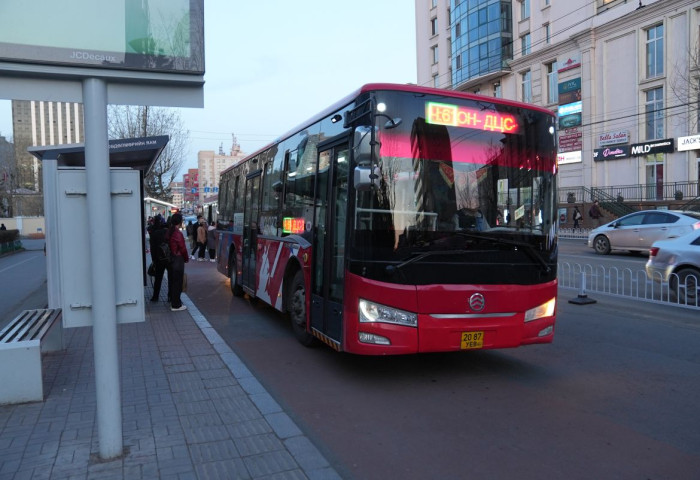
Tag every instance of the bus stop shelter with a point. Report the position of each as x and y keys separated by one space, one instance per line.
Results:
x=67 y=229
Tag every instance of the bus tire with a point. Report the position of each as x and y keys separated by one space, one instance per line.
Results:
x=236 y=289
x=296 y=306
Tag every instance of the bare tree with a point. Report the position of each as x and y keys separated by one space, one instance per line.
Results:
x=143 y=121
x=685 y=85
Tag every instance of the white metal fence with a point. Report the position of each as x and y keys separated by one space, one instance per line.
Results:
x=574 y=233
x=625 y=282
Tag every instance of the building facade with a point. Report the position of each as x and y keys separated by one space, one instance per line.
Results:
x=623 y=78
x=434 y=43
x=190 y=196
x=36 y=123
x=210 y=165
x=178 y=190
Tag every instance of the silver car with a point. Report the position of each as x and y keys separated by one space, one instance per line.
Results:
x=637 y=231
x=677 y=262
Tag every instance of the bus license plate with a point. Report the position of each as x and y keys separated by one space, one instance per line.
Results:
x=472 y=340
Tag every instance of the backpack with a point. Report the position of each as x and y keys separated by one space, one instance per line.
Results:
x=163 y=253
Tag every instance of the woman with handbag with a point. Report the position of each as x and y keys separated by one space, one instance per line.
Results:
x=178 y=252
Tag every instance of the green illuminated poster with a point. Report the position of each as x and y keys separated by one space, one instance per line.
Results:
x=133 y=34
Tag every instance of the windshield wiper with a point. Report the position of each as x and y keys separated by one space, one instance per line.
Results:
x=529 y=249
x=390 y=269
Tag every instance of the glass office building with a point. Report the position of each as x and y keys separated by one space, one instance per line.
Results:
x=482 y=38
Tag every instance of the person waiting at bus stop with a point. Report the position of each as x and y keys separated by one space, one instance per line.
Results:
x=156 y=234
x=211 y=242
x=178 y=252
x=201 y=239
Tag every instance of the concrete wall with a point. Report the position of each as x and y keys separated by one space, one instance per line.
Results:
x=27 y=226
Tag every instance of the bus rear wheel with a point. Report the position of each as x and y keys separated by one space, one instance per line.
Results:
x=296 y=306
x=236 y=289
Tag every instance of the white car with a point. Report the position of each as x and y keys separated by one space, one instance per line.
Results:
x=677 y=262
x=637 y=231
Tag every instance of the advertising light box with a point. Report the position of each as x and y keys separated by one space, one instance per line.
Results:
x=147 y=35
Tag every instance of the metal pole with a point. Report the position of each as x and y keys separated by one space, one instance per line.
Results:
x=582 y=298
x=104 y=310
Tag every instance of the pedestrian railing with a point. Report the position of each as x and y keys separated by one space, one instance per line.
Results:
x=626 y=282
x=574 y=233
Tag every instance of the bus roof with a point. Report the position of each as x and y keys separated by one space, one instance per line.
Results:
x=373 y=87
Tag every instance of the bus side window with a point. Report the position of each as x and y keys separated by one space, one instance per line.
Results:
x=271 y=191
x=238 y=194
x=223 y=199
x=298 y=190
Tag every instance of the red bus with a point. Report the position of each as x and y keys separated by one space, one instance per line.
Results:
x=400 y=220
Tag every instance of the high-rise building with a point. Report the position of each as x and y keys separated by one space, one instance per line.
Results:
x=190 y=195
x=621 y=76
x=178 y=191
x=210 y=165
x=38 y=123
x=434 y=43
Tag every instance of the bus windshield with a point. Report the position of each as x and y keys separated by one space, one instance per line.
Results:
x=466 y=177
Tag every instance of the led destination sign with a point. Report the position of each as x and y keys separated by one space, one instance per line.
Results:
x=293 y=225
x=457 y=116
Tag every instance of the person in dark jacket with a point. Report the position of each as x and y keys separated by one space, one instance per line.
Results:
x=156 y=233
x=211 y=242
x=577 y=217
x=596 y=214
x=178 y=253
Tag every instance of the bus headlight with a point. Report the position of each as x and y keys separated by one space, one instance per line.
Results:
x=371 y=312
x=544 y=310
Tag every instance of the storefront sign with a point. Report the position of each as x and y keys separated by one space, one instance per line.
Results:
x=611 y=153
x=570 y=91
x=570 y=108
x=570 y=139
x=569 y=157
x=570 y=97
x=572 y=61
x=570 y=85
x=613 y=138
x=688 y=143
x=569 y=121
x=652 y=147
x=570 y=134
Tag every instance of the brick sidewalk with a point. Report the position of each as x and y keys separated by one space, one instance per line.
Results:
x=190 y=410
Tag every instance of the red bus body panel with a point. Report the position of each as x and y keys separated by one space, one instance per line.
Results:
x=444 y=314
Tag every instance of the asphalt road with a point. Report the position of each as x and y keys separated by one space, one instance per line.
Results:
x=23 y=281
x=615 y=395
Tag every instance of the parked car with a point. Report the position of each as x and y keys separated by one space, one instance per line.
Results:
x=637 y=231
x=677 y=262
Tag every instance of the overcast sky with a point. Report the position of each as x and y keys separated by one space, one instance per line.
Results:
x=272 y=64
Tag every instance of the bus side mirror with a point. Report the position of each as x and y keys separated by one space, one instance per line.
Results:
x=361 y=146
x=365 y=177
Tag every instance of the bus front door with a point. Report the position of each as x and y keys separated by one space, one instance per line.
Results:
x=329 y=243
x=250 y=232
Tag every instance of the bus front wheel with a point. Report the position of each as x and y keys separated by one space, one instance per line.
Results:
x=296 y=306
